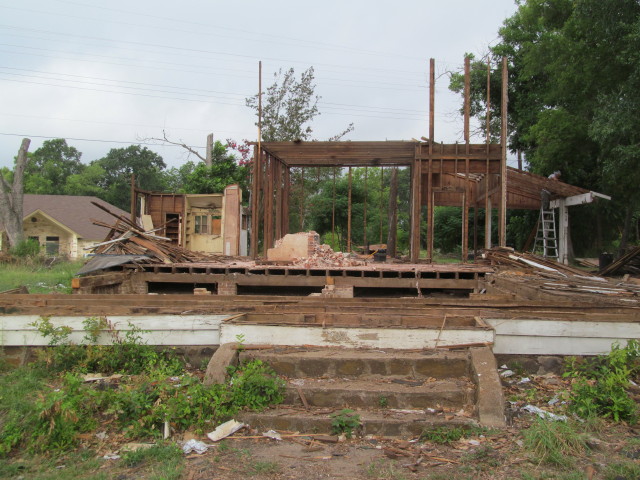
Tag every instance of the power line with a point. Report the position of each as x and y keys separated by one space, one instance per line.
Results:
x=175 y=48
x=284 y=40
x=24 y=135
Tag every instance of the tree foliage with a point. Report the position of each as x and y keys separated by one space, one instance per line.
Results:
x=289 y=106
x=224 y=170
x=574 y=73
x=50 y=166
x=118 y=166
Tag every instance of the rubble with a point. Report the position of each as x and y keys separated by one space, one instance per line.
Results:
x=303 y=249
x=127 y=238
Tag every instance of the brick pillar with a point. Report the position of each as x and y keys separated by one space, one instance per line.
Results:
x=227 y=288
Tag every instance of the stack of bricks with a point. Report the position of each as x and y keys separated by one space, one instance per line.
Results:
x=201 y=291
x=227 y=288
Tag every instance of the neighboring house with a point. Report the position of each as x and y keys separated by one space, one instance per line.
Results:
x=63 y=224
x=210 y=223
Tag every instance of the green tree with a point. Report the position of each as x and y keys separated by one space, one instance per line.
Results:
x=574 y=70
x=87 y=182
x=50 y=166
x=118 y=166
x=289 y=106
x=224 y=170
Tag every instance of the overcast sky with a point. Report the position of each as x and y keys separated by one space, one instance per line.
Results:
x=109 y=74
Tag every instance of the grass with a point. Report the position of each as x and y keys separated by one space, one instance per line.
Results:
x=385 y=469
x=555 y=443
x=37 y=277
x=78 y=465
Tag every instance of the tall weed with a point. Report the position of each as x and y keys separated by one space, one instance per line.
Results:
x=600 y=384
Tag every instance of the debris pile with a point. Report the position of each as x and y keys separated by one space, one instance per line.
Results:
x=127 y=238
x=527 y=261
x=303 y=249
x=536 y=277
x=629 y=263
x=324 y=256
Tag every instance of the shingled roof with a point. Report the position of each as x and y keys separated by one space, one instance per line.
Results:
x=74 y=212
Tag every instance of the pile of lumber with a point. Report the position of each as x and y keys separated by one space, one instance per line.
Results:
x=629 y=263
x=127 y=238
x=508 y=257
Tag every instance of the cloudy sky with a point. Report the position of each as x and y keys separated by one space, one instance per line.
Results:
x=109 y=74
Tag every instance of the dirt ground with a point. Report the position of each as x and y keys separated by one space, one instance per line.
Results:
x=497 y=455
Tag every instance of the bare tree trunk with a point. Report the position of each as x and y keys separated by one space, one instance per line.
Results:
x=625 y=232
x=11 y=213
x=392 y=213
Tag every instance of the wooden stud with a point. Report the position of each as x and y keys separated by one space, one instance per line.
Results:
x=333 y=209
x=349 y=216
x=285 y=199
x=364 y=213
x=466 y=197
x=502 y=227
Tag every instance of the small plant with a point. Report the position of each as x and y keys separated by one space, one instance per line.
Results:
x=255 y=385
x=240 y=339
x=443 y=435
x=345 y=421
x=383 y=402
x=555 y=442
x=600 y=384
x=263 y=468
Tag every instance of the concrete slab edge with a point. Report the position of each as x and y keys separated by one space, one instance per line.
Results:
x=489 y=397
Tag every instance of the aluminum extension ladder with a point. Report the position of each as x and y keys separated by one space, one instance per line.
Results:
x=546 y=236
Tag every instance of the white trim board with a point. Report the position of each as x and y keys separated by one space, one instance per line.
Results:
x=158 y=329
x=402 y=338
x=555 y=337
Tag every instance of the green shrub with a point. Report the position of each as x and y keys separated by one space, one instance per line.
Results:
x=256 y=386
x=345 y=421
x=26 y=248
x=600 y=386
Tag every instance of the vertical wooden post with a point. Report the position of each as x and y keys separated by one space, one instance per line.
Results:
x=333 y=209
x=487 y=175
x=563 y=234
x=255 y=210
x=381 y=202
x=301 y=199
x=432 y=99
x=429 y=187
x=209 y=157
x=416 y=177
x=257 y=167
x=278 y=193
x=364 y=213
x=285 y=199
x=392 y=213
x=132 y=200
x=349 y=216
x=502 y=227
x=268 y=183
x=466 y=196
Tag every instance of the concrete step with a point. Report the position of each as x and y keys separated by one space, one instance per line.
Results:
x=390 y=392
x=328 y=362
x=385 y=422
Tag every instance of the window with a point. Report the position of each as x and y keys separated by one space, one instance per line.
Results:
x=202 y=224
x=52 y=247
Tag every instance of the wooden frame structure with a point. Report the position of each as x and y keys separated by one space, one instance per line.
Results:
x=429 y=161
